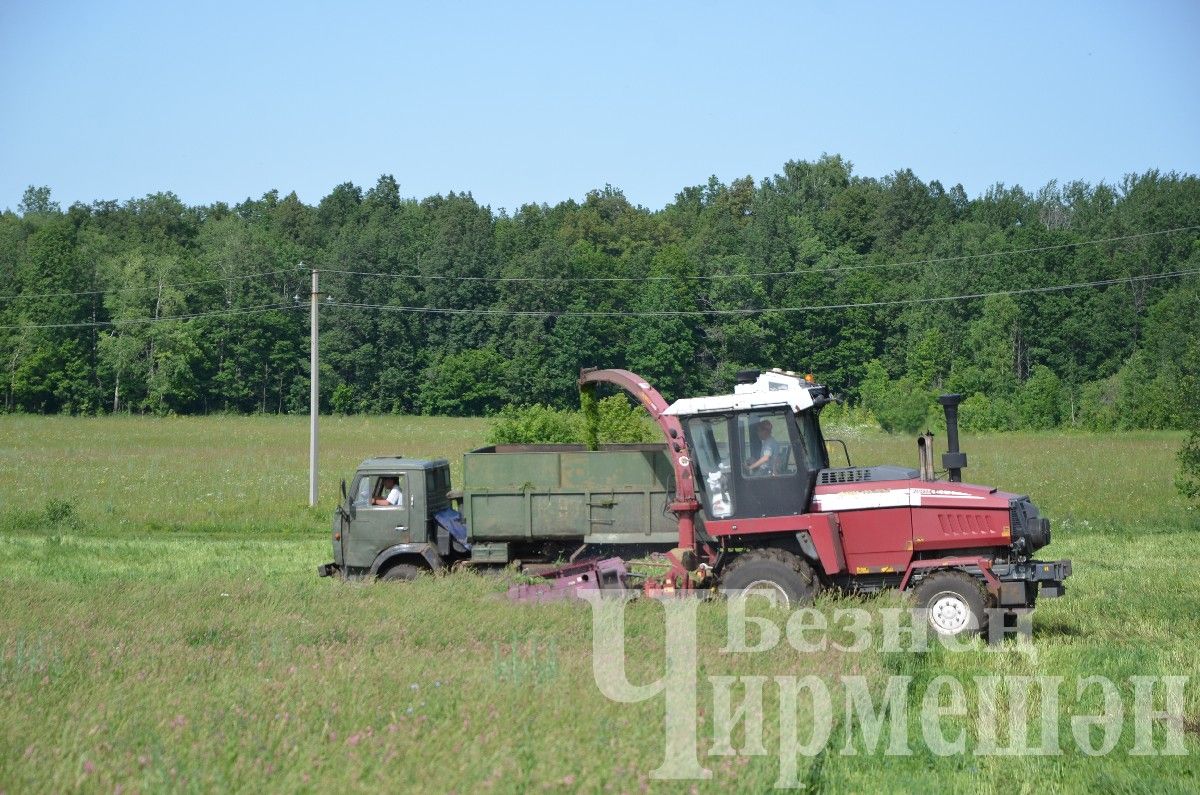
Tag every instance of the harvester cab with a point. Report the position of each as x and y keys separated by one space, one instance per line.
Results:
x=759 y=450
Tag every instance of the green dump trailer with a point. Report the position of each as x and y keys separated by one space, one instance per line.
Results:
x=527 y=503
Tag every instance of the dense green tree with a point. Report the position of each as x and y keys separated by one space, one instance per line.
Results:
x=1040 y=400
x=994 y=350
x=928 y=358
x=50 y=360
x=467 y=382
x=441 y=305
x=663 y=348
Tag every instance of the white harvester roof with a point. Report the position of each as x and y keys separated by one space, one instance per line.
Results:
x=772 y=388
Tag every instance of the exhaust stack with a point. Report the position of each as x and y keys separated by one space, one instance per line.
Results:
x=953 y=459
x=925 y=455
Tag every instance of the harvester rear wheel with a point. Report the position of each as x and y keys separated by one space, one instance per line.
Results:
x=775 y=571
x=956 y=602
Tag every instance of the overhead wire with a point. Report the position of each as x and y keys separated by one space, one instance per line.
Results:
x=799 y=272
x=616 y=313
x=766 y=310
x=162 y=319
x=146 y=288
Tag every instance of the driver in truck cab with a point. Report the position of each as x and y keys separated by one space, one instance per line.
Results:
x=394 y=498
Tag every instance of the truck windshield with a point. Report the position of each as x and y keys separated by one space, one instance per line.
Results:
x=362 y=494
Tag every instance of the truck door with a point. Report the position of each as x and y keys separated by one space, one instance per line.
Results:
x=377 y=524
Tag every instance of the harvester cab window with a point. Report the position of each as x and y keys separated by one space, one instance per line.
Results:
x=767 y=444
x=710 y=443
x=813 y=452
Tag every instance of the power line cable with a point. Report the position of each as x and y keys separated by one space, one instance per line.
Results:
x=714 y=276
x=163 y=319
x=567 y=279
x=572 y=313
x=150 y=287
x=545 y=313
x=812 y=308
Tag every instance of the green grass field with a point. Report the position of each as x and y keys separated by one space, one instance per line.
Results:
x=163 y=629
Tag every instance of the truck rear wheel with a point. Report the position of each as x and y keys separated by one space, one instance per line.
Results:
x=775 y=571
x=401 y=572
x=956 y=602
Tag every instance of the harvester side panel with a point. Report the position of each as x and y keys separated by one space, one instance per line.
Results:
x=955 y=528
x=877 y=539
x=822 y=528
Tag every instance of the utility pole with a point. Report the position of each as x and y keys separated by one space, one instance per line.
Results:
x=314 y=397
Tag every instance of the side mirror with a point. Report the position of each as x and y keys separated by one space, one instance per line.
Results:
x=343 y=489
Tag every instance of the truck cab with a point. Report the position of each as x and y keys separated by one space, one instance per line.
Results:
x=372 y=535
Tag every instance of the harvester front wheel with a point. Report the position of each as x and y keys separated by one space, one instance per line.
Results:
x=955 y=602
x=788 y=577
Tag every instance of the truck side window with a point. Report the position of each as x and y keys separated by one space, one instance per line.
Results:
x=389 y=491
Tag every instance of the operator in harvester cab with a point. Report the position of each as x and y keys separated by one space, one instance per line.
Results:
x=394 y=498
x=765 y=462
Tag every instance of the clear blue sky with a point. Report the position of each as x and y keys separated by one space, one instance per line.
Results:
x=521 y=102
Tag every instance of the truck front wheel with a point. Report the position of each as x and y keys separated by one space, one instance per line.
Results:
x=786 y=575
x=956 y=602
x=401 y=572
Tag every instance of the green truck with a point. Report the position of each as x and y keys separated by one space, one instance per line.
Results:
x=527 y=503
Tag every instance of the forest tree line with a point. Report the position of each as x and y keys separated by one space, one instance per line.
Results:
x=153 y=306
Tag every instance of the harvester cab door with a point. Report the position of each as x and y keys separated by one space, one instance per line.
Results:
x=708 y=439
x=753 y=464
x=774 y=473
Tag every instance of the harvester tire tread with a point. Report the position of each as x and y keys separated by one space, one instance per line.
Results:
x=790 y=574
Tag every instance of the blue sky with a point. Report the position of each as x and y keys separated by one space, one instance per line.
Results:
x=520 y=102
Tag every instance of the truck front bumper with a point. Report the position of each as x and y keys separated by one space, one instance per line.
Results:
x=328 y=570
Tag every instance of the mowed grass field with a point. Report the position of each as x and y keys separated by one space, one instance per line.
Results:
x=163 y=630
